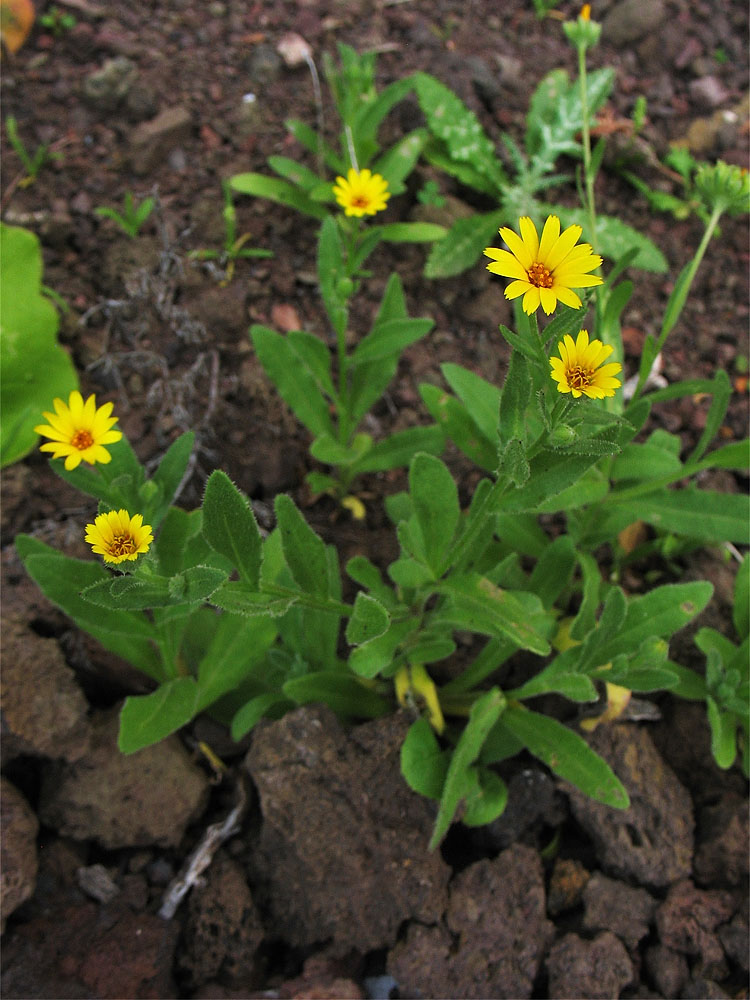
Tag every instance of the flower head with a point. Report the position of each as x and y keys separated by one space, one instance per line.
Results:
x=545 y=270
x=79 y=430
x=362 y=193
x=578 y=370
x=117 y=536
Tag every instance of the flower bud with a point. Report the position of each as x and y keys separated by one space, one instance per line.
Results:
x=583 y=33
x=724 y=186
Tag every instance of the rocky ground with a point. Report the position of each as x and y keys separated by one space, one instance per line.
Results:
x=325 y=887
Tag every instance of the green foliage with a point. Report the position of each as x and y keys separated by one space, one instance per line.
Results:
x=35 y=368
x=132 y=217
x=246 y=624
x=32 y=162
x=234 y=248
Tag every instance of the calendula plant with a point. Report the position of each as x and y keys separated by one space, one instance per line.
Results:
x=486 y=607
x=560 y=110
x=359 y=157
x=132 y=217
x=332 y=393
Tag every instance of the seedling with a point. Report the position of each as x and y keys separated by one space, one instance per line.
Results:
x=234 y=248
x=132 y=217
x=32 y=162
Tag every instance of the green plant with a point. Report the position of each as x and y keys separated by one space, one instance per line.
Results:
x=332 y=400
x=560 y=110
x=34 y=365
x=132 y=217
x=543 y=7
x=487 y=606
x=32 y=162
x=361 y=111
x=430 y=194
x=57 y=21
x=234 y=248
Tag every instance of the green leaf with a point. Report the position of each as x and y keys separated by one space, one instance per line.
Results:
x=342 y=692
x=463 y=245
x=150 y=718
x=229 y=526
x=575 y=686
x=35 y=368
x=192 y=586
x=458 y=128
x=641 y=462
x=424 y=764
x=566 y=754
x=704 y=515
x=553 y=571
x=480 y=397
x=412 y=232
x=398 y=449
x=61 y=579
x=371 y=658
x=434 y=496
x=316 y=357
x=552 y=472
x=478 y=605
x=296 y=385
x=368 y=621
x=721 y=391
x=487 y=800
x=485 y=712
x=236 y=646
x=741 y=607
x=388 y=339
x=277 y=190
x=294 y=172
x=661 y=612
x=237 y=599
x=731 y=456
x=454 y=421
x=168 y=476
x=723 y=734
x=304 y=551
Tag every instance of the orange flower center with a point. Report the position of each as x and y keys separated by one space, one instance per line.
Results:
x=540 y=276
x=578 y=378
x=122 y=545
x=82 y=440
x=360 y=201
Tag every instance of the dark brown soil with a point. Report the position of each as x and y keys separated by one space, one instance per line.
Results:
x=326 y=884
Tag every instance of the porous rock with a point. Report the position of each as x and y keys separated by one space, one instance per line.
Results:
x=589 y=970
x=615 y=906
x=342 y=852
x=721 y=858
x=18 y=830
x=120 y=800
x=152 y=141
x=492 y=940
x=222 y=929
x=688 y=918
x=651 y=842
x=44 y=712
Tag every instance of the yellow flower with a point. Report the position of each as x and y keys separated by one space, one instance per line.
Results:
x=578 y=370
x=117 y=536
x=79 y=431
x=586 y=12
x=362 y=193
x=547 y=270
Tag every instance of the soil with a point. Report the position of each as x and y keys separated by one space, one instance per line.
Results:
x=325 y=887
